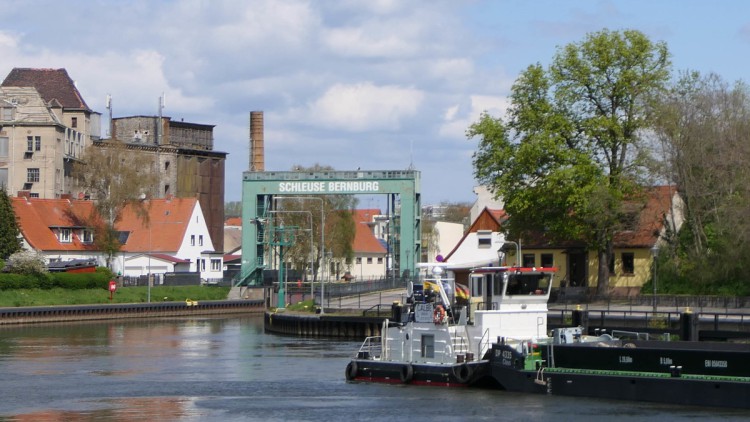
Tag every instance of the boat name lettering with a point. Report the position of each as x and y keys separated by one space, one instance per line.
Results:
x=665 y=361
x=716 y=364
x=626 y=359
x=311 y=187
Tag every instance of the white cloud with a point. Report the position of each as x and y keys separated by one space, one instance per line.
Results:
x=456 y=123
x=364 y=106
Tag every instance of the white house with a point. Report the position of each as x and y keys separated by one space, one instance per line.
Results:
x=174 y=239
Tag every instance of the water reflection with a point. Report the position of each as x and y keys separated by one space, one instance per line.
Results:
x=229 y=369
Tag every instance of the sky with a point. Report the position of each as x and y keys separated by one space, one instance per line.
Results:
x=371 y=84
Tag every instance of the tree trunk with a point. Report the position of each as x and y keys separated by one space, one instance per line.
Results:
x=602 y=283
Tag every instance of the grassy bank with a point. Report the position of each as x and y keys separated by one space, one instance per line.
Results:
x=58 y=296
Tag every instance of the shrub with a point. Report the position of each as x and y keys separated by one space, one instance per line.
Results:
x=95 y=280
x=9 y=281
x=26 y=262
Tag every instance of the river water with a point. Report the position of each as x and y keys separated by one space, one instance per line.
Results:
x=228 y=369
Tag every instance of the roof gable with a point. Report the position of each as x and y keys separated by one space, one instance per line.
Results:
x=54 y=85
x=364 y=239
x=168 y=222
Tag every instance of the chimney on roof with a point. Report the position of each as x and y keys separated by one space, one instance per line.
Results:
x=257 y=160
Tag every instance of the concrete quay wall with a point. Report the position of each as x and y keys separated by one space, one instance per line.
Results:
x=44 y=314
x=341 y=326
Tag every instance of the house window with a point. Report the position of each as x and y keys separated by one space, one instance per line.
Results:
x=4 y=146
x=380 y=260
x=33 y=195
x=547 y=260
x=37 y=143
x=628 y=263
x=87 y=236
x=29 y=144
x=529 y=260
x=4 y=178
x=484 y=238
x=32 y=175
x=215 y=264
x=359 y=260
x=428 y=346
x=369 y=260
x=203 y=264
x=6 y=114
x=74 y=122
x=192 y=240
x=200 y=240
x=65 y=235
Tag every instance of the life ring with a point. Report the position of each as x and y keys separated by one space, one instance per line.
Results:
x=351 y=371
x=438 y=316
x=406 y=373
x=462 y=373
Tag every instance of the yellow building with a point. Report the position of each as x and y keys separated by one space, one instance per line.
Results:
x=577 y=266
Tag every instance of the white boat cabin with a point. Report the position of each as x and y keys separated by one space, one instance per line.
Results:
x=511 y=301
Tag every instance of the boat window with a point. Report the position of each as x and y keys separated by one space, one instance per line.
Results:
x=528 y=284
x=497 y=285
x=476 y=286
x=428 y=346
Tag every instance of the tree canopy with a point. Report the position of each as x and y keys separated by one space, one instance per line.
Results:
x=115 y=177
x=570 y=148
x=10 y=241
x=703 y=129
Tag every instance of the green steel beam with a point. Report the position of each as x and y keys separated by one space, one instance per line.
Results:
x=258 y=189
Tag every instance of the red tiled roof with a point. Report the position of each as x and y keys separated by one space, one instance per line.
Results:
x=52 y=84
x=168 y=221
x=37 y=217
x=233 y=221
x=650 y=222
x=364 y=240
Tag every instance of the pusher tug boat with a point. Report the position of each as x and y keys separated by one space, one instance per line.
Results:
x=438 y=338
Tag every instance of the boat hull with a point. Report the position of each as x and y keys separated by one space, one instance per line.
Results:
x=444 y=375
x=694 y=390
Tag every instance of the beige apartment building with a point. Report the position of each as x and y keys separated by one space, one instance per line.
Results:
x=45 y=125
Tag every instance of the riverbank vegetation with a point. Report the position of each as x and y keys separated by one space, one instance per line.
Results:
x=60 y=296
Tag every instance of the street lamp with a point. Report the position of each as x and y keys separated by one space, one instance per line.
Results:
x=501 y=252
x=322 y=239
x=655 y=254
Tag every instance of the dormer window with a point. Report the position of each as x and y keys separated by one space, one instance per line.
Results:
x=87 y=236
x=65 y=236
x=484 y=239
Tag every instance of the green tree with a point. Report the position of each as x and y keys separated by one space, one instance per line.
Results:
x=115 y=176
x=10 y=241
x=703 y=127
x=571 y=149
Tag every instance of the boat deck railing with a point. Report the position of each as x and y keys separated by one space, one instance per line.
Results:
x=371 y=348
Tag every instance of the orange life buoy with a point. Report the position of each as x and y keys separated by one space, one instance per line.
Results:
x=438 y=316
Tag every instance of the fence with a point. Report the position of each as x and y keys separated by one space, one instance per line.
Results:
x=300 y=291
x=166 y=279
